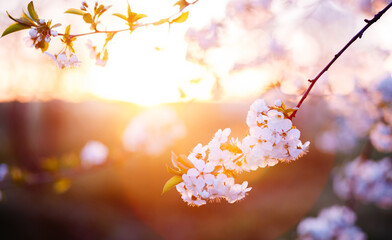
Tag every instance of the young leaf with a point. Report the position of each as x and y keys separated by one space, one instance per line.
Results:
x=14 y=28
x=23 y=21
x=33 y=14
x=27 y=18
x=171 y=183
x=56 y=25
x=181 y=3
x=75 y=11
x=129 y=10
x=121 y=16
x=173 y=171
x=182 y=18
x=87 y=18
x=67 y=30
x=138 y=17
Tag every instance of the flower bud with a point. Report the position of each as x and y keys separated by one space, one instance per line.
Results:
x=53 y=33
x=47 y=38
x=41 y=21
x=73 y=59
x=33 y=33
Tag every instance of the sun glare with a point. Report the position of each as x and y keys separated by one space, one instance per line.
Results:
x=146 y=67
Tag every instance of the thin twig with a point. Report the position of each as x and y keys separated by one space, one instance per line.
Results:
x=133 y=27
x=358 y=35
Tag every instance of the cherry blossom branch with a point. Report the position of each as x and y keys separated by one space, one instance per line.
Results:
x=358 y=35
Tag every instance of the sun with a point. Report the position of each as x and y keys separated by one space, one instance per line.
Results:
x=145 y=67
x=149 y=66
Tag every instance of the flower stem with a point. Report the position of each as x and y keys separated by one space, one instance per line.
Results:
x=358 y=35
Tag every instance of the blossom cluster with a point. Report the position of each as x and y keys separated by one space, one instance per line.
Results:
x=63 y=61
x=40 y=35
x=153 y=130
x=336 y=222
x=272 y=136
x=366 y=181
x=208 y=172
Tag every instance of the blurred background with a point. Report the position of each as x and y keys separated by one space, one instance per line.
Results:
x=164 y=91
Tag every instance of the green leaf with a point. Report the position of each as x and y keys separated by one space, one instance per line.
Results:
x=75 y=11
x=27 y=18
x=33 y=14
x=23 y=21
x=121 y=16
x=14 y=28
x=182 y=18
x=171 y=183
x=87 y=18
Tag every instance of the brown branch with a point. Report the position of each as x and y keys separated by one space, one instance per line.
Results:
x=358 y=35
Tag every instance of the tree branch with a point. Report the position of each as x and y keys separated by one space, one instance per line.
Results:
x=358 y=35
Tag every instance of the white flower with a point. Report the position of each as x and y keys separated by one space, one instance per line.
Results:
x=53 y=33
x=188 y=196
x=93 y=153
x=202 y=173
x=199 y=152
x=221 y=186
x=259 y=106
x=62 y=60
x=41 y=21
x=237 y=192
x=220 y=136
x=33 y=33
x=277 y=122
x=101 y=62
x=47 y=38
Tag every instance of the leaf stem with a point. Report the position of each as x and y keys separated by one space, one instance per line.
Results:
x=358 y=35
